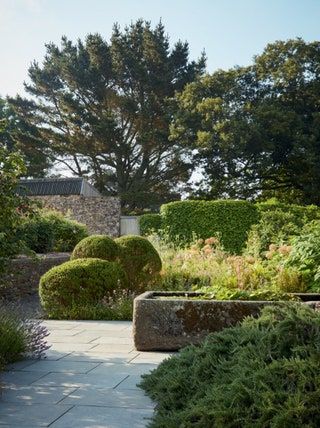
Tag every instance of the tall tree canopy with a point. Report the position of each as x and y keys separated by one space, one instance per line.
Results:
x=104 y=109
x=17 y=135
x=256 y=129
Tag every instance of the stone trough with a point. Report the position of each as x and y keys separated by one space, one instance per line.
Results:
x=168 y=321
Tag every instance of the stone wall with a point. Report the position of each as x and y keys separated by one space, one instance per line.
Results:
x=101 y=215
x=22 y=274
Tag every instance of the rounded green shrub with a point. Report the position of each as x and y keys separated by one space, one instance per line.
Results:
x=80 y=282
x=96 y=246
x=140 y=260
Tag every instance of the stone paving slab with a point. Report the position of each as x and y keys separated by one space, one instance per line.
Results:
x=107 y=369
x=75 y=379
x=20 y=377
x=103 y=417
x=61 y=366
x=101 y=357
x=108 y=397
x=35 y=394
x=88 y=380
x=21 y=415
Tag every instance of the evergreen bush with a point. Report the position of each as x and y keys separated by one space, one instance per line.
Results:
x=80 y=282
x=96 y=246
x=140 y=260
x=262 y=373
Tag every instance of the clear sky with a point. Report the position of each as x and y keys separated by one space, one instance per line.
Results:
x=230 y=31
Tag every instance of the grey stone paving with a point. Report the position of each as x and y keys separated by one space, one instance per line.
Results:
x=88 y=380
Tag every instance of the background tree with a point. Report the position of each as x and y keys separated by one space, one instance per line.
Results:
x=104 y=109
x=18 y=135
x=256 y=129
x=12 y=205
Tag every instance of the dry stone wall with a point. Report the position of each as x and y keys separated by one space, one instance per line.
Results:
x=101 y=215
x=22 y=275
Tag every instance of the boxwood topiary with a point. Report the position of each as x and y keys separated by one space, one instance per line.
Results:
x=96 y=246
x=140 y=260
x=80 y=282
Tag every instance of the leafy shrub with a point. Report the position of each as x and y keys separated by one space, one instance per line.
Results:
x=12 y=206
x=66 y=232
x=150 y=223
x=20 y=337
x=231 y=220
x=50 y=231
x=262 y=373
x=140 y=260
x=96 y=246
x=37 y=233
x=305 y=254
x=299 y=214
x=274 y=227
x=79 y=282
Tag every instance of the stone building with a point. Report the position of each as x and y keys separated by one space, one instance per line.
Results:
x=78 y=198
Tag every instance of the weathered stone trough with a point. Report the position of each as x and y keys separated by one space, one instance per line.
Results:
x=167 y=321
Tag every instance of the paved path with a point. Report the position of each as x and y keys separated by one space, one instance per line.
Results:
x=88 y=380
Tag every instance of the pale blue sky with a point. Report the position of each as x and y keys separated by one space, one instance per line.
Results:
x=230 y=31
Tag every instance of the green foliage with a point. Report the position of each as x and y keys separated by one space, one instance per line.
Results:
x=231 y=220
x=80 y=282
x=206 y=267
x=117 y=306
x=66 y=232
x=150 y=223
x=31 y=146
x=20 y=337
x=255 y=128
x=140 y=260
x=262 y=373
x=12 y=206
x=305 y=254
x=269 y=295
x=129 y=80
x=47 y=231
x=96 y=246
x=12 y=338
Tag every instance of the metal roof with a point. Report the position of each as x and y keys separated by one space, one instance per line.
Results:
x=56 y=186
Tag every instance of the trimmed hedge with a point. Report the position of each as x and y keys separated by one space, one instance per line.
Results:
x=140 y=261
x=96 y=246
x=301 y=214
x=230 y=219
x=150 y=223
x=80 y=282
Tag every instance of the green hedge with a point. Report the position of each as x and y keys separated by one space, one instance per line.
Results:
x=230 y=219
x=150 y=223
x=301 y=214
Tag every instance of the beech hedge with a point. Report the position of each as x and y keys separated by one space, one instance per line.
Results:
x=150 y=223
x=229 y=219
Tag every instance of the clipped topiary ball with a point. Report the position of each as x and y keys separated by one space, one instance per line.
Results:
x=140 y=260
x=96 y=246
x=80 y=282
